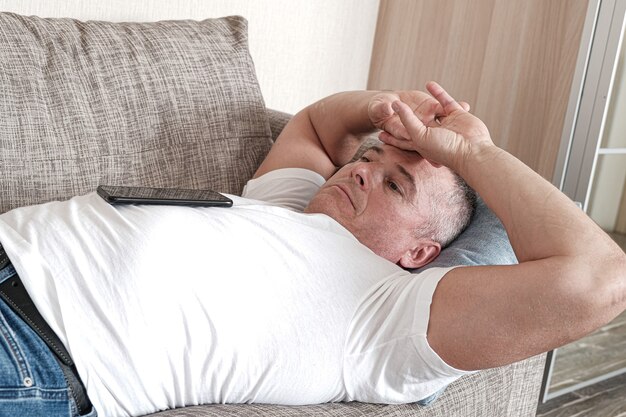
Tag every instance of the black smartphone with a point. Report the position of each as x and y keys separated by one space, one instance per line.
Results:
x=162 y=196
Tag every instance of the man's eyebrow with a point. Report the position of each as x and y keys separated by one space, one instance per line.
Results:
x=409 y=177
x=376 y=149
x=406 y=174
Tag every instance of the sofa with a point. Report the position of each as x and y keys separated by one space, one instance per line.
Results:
x=177 y=104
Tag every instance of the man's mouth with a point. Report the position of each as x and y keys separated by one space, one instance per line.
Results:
x=343 y=190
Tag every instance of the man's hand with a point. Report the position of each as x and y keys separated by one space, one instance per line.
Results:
x=439 y=128
x=383 y=116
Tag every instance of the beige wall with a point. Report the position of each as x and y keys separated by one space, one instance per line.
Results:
x=303 y=49
x=512 y=60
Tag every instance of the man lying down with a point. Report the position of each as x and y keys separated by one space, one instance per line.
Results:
x=299 y=293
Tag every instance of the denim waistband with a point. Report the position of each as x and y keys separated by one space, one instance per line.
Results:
x=4 y=262
x=26 y=310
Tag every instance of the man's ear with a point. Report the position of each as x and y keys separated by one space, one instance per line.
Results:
x=423 y=253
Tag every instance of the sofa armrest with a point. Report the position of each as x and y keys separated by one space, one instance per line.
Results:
x=278 y=120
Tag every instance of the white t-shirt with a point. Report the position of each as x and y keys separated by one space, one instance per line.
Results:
x=164 y=306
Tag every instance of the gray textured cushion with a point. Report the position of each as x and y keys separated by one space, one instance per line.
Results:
x=484 y=242
x=173 y=103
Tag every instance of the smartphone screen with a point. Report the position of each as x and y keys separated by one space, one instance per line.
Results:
x=162 y=196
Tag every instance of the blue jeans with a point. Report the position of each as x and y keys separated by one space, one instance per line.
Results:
x=31 y=381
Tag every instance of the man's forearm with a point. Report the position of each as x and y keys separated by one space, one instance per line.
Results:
x=540 y=220
x=341 y=121
x=542 y=223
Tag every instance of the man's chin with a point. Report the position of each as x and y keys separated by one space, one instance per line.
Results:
x=320 y=203
x=332 y=201
x=326 y=204
x=318 y=207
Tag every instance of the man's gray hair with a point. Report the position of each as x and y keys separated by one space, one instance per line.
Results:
x=450 y=212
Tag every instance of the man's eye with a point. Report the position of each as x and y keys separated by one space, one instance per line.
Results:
x=364 y=159
x=393 y=186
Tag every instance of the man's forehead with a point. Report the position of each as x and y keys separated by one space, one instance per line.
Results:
x=385 y=150
x=410 y=160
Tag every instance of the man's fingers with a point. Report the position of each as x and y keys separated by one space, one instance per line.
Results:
x=395 y=127
x=428 y=110
x=447 y=102
x=382 y=110
x=394 y=141
x=401 y=132
x=410 y=121
x=402 y=144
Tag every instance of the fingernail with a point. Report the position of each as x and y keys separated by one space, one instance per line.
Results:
x=395 y=106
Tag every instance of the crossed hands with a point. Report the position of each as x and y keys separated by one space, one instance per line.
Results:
x=436 y=126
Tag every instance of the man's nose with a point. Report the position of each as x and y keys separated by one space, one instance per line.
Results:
x=363 y=175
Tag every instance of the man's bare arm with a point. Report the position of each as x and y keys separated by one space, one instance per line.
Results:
x=571 y=278
x=324 y=135
x=327 y=134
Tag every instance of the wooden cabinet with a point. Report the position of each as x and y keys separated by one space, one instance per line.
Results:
x=512 y=60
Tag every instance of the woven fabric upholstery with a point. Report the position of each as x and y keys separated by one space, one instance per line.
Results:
x=278 y=120
x=172 y=104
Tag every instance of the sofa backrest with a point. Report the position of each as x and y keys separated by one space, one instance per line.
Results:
x=169 y=104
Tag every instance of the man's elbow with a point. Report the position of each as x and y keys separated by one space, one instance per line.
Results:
x=617 y=285
x=607 y=290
